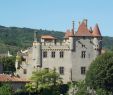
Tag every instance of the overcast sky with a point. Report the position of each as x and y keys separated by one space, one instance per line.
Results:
x=57 y=14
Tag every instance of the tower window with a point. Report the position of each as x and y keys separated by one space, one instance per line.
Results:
x=83 y=70
x=25 y=71
x=44 y=54
x=83 y=45
x=53 y=54
x=61 y=54
x=83 y=54
x=61 y=70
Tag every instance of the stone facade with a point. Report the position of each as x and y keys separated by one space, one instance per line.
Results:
x=71 y=57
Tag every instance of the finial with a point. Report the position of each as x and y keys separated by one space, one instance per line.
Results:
x=35 y=38
x=73 y=22
x=73 y=25
x=79 y=23
x=85 y=21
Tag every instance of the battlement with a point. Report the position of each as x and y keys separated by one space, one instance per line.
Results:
x=62 y=43
x=58 y=47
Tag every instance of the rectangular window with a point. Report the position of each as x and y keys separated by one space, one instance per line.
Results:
x=83 y=70
x=61 y=54
x=61 y=70
x=83 y=54
x=53 y=54
x=44 y=54
x=25 y=71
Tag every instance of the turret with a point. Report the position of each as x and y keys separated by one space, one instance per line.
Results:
x=36 y=58
x=97 y=41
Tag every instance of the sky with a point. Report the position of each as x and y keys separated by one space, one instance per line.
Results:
x=57 y=14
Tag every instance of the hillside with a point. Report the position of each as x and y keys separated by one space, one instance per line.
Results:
x=108 y=42
x=14 y=38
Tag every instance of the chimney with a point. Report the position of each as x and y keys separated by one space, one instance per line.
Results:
x=85 y=21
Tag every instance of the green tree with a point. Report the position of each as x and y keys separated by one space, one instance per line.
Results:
x=45 y=81
x=5 y=89
x=8 y=64
x=100 y=73
x=82 y=88
x=78 y=88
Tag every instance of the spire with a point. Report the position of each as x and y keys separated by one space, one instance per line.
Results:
x=96 y=31
x=35 y=38
x=73 y=26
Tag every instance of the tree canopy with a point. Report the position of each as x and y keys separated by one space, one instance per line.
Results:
x=100 y=73
x=45 y=81
x=5 y=89
x=8 y=64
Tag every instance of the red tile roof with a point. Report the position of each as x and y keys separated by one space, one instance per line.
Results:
x=96 y=31
x=68 y=33
x=47 y=37
x=10 y=78
x=83 y=30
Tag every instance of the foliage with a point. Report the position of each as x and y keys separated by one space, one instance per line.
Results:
x=100 y=91
x=29 y=88
x=100 y=73
x=13 y=38
x=78 y=88
x=5 y=89
x=45 y=81
x=81 y=88
x=8 y=64
x=107 y=42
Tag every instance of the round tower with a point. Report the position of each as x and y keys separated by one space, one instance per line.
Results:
x=36 y=52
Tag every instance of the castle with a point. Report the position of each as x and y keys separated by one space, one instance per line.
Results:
x=71 y=57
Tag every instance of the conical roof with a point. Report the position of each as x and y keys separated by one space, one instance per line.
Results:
x=96 y=31
x=83 y=30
